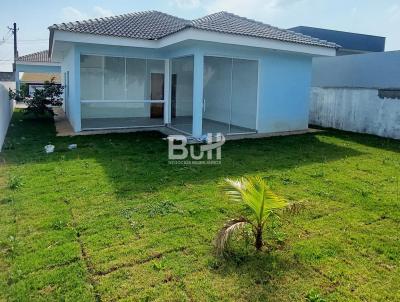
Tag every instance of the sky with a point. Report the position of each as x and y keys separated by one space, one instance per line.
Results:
x=372 y=17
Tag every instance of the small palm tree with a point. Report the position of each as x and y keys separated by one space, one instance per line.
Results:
x=255 y=194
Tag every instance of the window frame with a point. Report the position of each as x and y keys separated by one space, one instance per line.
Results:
x=147 y=99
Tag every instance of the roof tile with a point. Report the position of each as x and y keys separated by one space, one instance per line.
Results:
x=41 y=56
x=154 y=25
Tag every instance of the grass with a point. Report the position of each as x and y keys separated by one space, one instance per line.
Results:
x=113 y=220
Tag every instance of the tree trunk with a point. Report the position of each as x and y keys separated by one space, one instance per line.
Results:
x=259 y=241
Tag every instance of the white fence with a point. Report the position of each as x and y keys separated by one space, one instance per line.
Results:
x=6 y=109
x=355 y=109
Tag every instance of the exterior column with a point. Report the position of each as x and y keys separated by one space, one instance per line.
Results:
x=198 y=70
x=167 y=93
x=75 y=99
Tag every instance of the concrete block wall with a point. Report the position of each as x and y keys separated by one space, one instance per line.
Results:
x=355 y=109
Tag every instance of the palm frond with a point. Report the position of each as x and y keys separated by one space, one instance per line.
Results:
x=223 y=236
x=236 y=189
x=233 y=188
x=256 y=194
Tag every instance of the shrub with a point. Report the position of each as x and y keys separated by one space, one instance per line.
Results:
x=40 y=104
x=14 y=182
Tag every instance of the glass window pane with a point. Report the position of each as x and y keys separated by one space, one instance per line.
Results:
x=135 y=79
x=126 y=81
x=182 y=93
x=230 y=95
x=114 y=78
x=244 y=95
x=155 y=67
x=116 y=114
x=115 y=110
x=217 y=94
x=91 y=77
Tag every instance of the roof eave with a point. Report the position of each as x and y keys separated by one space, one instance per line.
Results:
x=19 y=62
x=190 y=33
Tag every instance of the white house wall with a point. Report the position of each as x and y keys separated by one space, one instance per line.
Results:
x=70 y=63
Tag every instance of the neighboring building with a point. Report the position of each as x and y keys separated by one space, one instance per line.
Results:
x=35 y=69
x=36 y=80
x=6 y=76
x=378 y=70
x=351 y=43
x=220 y=73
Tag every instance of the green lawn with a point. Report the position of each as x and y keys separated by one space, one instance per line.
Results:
x=113 y=220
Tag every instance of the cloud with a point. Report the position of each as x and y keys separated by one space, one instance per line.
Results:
x=186 y=4
x=279 y=4
x=394 y=12
x=244 y=8
x=260 y=9
x=102 y=12
x=70 y=13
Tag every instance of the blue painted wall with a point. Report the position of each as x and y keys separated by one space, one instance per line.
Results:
x=284 y=82
x=284 y=92
x=284 y=79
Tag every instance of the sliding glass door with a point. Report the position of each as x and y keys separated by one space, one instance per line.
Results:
x=230 y=95
x=217 y=95
x=119 y=92
x=182 y=94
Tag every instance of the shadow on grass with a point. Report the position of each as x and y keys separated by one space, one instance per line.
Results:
x=368 y=140
x=144 y=166
x=138 y=162
x=260 y=272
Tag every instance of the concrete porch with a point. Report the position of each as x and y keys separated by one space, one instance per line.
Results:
x=64 y=128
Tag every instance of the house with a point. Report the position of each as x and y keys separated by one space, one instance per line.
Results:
x=36 y=80
x=220 y=73
x=6 y=76
x=34 y=69
x=351 y=43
